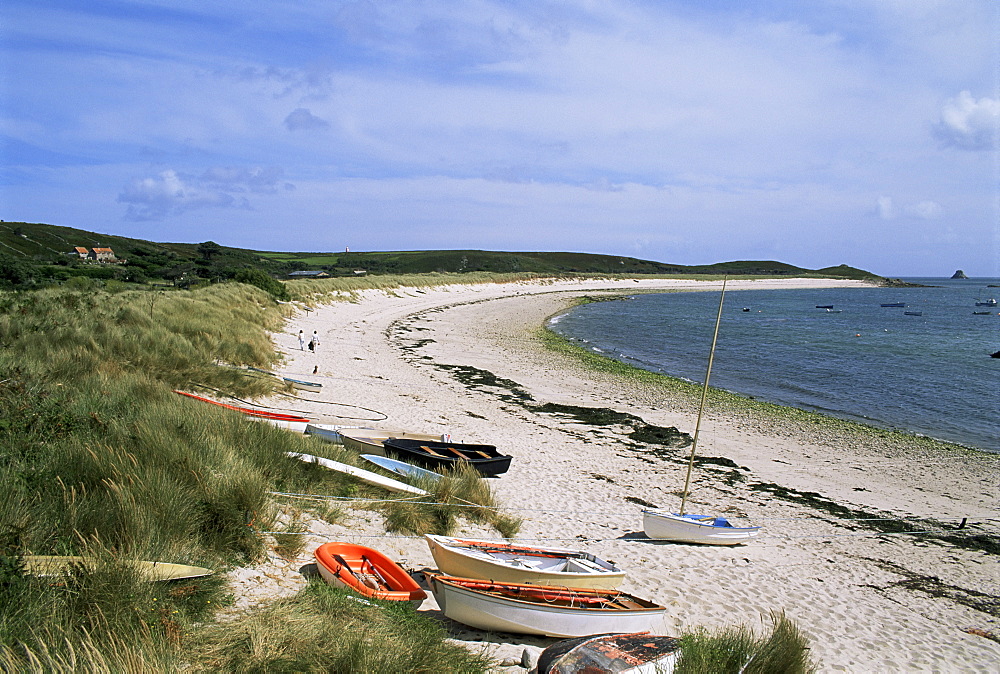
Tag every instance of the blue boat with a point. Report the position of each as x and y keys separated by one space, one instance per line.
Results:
x=302 y=385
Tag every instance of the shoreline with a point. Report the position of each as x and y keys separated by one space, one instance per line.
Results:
x=470 y=360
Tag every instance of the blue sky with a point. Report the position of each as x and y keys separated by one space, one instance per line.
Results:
x=862 y=132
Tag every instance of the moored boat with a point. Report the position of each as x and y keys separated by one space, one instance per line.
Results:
x=57 y=565
x=893 y=304
x=513 y=563
x=639 y=653
x=436 y=454
x=543 y=610
x=369 y=440
x=367 y=572
x=666 y=526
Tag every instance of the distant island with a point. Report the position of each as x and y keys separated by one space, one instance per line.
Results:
x=33 y=254
x=959 y=274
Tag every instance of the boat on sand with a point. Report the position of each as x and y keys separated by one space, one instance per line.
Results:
x=57 y=565
x=513 y=563
x=435 y=454
x=543 y=610
x=369 y=440
x=403 y=468
x=249 y=411
x=639 y=653
x=299 y=384
x=681 y=527
x=360 y=473
x=367 y=572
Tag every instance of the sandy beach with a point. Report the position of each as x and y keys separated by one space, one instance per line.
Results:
x=415 y=359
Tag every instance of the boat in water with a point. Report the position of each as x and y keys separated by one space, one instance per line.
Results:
x=514 y=563
x=367 y=572
x=524 y=608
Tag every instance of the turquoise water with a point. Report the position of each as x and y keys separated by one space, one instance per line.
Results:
x=930 y=373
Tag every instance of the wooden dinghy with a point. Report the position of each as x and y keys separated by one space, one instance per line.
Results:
x=367 y=572
x=402 y=468
x=640 y=653
x=369 y=440
x=511 y=563
x=704 y=529
x=360 y=473
x=436 y=454
x=543 y=610
x=57 y=565
x=301 y=385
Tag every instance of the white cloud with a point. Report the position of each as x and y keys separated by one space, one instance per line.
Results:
x=885 y=208
x=970 y=124
x=927 y=210
x=171 y=193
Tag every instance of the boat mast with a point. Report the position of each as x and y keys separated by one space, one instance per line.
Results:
x=704 y=394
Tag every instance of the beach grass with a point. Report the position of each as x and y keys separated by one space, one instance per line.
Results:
x=100 y=458
x=738 y=649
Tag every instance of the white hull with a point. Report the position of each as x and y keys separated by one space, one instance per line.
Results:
x=402 y=468
x=360 y=473
x=328 y=432
x=497 y=614
x=553 y=566
x=666 y=526
x=55 y=565
x=303 y=385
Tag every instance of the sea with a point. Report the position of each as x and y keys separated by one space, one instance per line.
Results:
x=923 y=366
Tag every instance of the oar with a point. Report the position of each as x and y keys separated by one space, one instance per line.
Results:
x=378 y=574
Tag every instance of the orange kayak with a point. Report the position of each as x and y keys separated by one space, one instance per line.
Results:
x=263 y=414
x=367 y=572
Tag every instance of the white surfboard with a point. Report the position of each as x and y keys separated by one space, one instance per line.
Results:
x=360 y=473
x=401 y=467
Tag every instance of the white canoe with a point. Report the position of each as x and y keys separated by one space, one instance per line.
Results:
x=662 y=525
x=369 y=440
x=287 y=424
x=56 y=565
x=547 y=611
x=360 y=473
x=328 y=432
x=303 y=385
x=512 y=563
x=402 y=468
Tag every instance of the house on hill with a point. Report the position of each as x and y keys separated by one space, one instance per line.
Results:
x=95 y=254
x=309 y=274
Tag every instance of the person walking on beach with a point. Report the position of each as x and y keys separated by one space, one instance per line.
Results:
x=302 y=341
x=313 y=341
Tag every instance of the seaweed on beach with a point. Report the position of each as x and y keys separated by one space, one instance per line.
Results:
x=930 y=530
x=934 y=587
x=475 y=378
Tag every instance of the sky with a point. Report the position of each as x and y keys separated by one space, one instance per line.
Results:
x=860 y=132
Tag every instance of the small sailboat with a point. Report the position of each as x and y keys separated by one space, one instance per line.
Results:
x=552 y=611
x=367 y=572
x=513 y=563
x=681 y=527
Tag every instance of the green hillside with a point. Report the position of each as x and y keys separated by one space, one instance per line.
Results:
x=32 y=254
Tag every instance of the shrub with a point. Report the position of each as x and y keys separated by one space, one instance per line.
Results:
x=262 y=280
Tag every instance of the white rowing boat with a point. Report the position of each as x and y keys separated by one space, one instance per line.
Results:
x=513 y=563
x=544 y=610
x=328 y=432
x=360 y=473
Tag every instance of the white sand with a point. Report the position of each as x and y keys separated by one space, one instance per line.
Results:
x=843 y=585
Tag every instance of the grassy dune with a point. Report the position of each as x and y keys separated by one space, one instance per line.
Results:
x=98 y=457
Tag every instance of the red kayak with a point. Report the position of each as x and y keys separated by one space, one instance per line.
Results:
x=366 y=571
x=263 y=414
